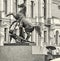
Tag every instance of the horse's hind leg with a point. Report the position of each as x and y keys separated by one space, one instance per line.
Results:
x=28 y=36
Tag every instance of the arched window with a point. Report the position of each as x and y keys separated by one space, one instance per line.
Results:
x=57 y=35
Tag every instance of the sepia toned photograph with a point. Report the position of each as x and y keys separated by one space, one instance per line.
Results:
x=29 y=30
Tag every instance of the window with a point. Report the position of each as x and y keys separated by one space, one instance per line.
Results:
x=57 y=35
x=16 y=5
x=0 y=15
x=32 y=4
x=5 y=6
x=5 y=33
x=44 y=9
x=0 y=22
x=45 y=36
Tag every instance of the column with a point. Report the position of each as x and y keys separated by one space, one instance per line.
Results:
x=49 y=8
x=40 y=19
x=1 y=29
x=36 y=21
x=32 y=16
x=12 y=8
x=40 y=10
x=2 y=8
x=49 y=19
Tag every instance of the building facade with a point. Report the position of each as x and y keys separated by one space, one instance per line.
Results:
x=44 y=13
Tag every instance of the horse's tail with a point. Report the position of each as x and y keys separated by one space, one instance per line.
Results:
x=38 y=29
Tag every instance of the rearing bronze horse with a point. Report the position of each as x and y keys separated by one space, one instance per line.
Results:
x=26 y=25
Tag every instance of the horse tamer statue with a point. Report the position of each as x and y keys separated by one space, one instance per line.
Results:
x=22 y=23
